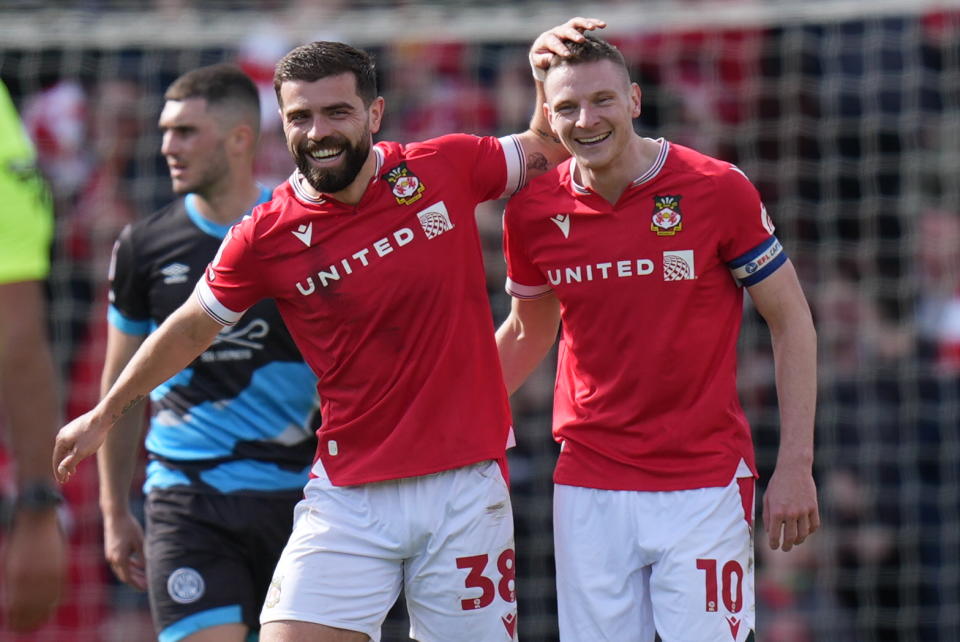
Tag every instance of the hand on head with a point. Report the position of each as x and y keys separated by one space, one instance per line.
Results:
x=551 y=42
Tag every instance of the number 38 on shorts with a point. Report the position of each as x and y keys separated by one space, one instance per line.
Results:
x=489 y=583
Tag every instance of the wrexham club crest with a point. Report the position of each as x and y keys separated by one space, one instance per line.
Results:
x=407 y=188
x=667 y=219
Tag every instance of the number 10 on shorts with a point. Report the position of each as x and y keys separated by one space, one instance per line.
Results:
x=476 y=578
x=730 y=581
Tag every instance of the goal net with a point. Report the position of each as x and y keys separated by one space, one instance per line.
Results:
x=846 y=116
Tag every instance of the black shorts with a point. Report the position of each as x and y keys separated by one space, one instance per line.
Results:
x=210 y=557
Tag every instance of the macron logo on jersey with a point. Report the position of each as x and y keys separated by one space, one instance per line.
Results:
x=734 y=625
x=304 y=233
x=563 y=222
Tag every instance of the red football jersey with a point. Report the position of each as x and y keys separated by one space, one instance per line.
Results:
x=387 y=302
x=646 y=395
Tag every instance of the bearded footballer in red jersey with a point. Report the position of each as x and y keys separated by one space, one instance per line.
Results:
x=642 y=250
x=373 y=257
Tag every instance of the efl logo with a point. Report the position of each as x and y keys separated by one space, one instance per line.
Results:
x=435 y=220
x=772 y=253
x=678 y=265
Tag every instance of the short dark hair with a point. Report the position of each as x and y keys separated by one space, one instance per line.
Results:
x=220 y=85
x=591 y=49
x=321 y=59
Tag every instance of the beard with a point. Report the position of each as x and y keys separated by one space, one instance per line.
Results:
x=333 y=179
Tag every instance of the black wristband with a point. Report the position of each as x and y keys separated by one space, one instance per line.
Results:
x=37 y=497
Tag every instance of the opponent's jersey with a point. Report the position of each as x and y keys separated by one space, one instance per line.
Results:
x=241 y=417
x=388 y=304
x=26 y=218
x=646 y=394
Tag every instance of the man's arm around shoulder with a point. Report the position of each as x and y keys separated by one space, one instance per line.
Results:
x=526 y=336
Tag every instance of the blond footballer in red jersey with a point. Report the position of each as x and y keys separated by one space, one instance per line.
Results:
x=642 y=249
x=381 y=285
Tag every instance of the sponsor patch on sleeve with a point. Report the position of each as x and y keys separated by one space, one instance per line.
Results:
x=759 y=263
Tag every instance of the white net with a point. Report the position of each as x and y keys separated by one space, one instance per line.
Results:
x=845 y=114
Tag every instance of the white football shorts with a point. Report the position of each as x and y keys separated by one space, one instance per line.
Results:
x=447 y=538
x=631 y=564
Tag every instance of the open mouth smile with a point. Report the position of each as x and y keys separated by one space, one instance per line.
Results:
x=593 y=140
x=325 y=155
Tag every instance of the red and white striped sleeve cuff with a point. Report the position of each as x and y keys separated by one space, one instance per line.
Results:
x=516 y=167
x=520 y=291
x=217 y=311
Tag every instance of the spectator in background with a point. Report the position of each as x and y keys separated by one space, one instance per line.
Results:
x=256 y=56
x=34 y=556
x=56 y=119
x=91 y=224
x=938 y=320
x=433 y=93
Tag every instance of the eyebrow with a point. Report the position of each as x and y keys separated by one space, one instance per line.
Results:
x=340 y=105
x=326 y=108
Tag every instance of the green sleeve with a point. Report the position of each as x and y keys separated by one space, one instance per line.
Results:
x=26 y=214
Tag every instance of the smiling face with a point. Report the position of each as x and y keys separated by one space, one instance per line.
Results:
x=591 y=107
x=329 y=130
x=193 y=145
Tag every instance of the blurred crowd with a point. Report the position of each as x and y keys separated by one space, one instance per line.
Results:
x=849 y=130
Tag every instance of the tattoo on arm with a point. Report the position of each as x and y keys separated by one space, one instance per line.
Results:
x=542 y=133
x=130 y=404
x=537 y=161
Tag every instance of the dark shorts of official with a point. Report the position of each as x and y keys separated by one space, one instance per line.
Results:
x=210 y=557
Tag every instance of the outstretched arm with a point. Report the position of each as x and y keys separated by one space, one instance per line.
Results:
x=184 y=335
x=790 y=506
x=116 y=462
x=541 y=147
x=526 y=336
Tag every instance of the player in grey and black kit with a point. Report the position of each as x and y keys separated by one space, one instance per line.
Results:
x=231 y=438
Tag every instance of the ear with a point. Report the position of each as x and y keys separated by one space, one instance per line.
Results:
x=635 y=99
x=548 y=114
x=376 y=114
x=241 y=139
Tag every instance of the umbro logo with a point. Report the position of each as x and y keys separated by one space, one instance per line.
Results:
x=304 y=233
x=563 y=222
x=175 y=273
